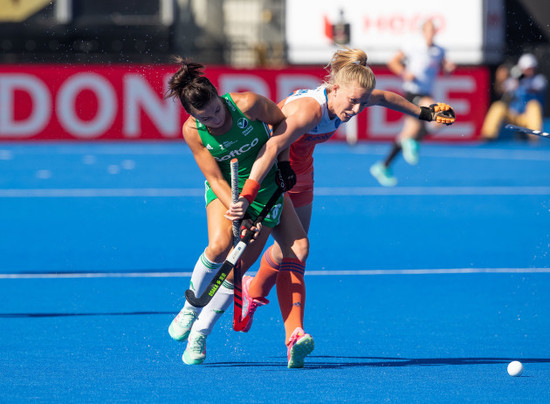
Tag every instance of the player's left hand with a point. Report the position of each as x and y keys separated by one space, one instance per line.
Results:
x=247 y=225
x=442 y=113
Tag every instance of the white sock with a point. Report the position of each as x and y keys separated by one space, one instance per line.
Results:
x=214 y=309
x=203 y=273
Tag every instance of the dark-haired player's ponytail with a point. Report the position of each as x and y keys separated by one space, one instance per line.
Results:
x=190 y=86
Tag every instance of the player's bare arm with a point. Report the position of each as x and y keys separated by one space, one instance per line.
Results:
x=398 y=68
x=267 y=111
x=394 y=101
x=258 y=108
x=302 y=116
x=395 y=64
x=284 y=155
x=448 y=67
x=206 y=162
x=440 y=112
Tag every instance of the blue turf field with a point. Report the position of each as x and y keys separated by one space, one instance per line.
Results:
x=420 y=293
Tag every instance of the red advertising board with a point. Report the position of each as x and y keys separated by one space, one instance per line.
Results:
x=126 y=102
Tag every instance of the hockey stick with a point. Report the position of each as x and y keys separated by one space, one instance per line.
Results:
x=234 y=164
x=238 y=323
x=526 y=131
x=232 y=258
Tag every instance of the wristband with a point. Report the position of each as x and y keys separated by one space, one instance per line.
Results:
x=250 y=190
x=425 y=114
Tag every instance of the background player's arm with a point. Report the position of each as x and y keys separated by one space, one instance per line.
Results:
x=398 y=68
x=206 y=162
x=447 y=66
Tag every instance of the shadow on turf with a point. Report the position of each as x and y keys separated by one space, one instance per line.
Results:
x=339 y=362
x=401 y=362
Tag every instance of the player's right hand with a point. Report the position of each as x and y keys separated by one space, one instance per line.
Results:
x=440 y=113
x=286 y=177
x=237 y=209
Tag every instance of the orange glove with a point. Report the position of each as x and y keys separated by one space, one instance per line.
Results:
x=440 y=113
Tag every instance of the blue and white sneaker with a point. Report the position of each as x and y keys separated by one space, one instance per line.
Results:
x=181 y=325
x=383 y=175
x=410 y=148
x=195 y=353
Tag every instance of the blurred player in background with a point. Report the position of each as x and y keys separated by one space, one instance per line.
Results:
x=418 y=65
x=523 y=93
x=220 y=128
x=312 y=117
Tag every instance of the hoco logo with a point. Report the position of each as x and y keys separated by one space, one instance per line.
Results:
x=237 y=152
x=242 y=123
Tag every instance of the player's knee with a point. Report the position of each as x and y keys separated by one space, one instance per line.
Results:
x=301 y=249
x=274 y=254
x=217 y=251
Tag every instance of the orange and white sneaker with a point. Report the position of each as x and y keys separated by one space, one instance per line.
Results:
x=300 y=345
x=250 y=304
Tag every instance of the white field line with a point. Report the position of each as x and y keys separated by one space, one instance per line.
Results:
x=450 y=152
x=128 y=149
x=401 y=191
x=320 y=191
x=310 y=273
x=101 y=192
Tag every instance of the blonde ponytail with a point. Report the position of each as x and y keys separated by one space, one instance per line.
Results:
x=348 y=66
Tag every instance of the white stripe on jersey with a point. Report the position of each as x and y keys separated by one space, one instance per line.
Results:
x=326 y=125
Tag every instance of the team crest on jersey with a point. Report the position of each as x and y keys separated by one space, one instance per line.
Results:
x=242 y=123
